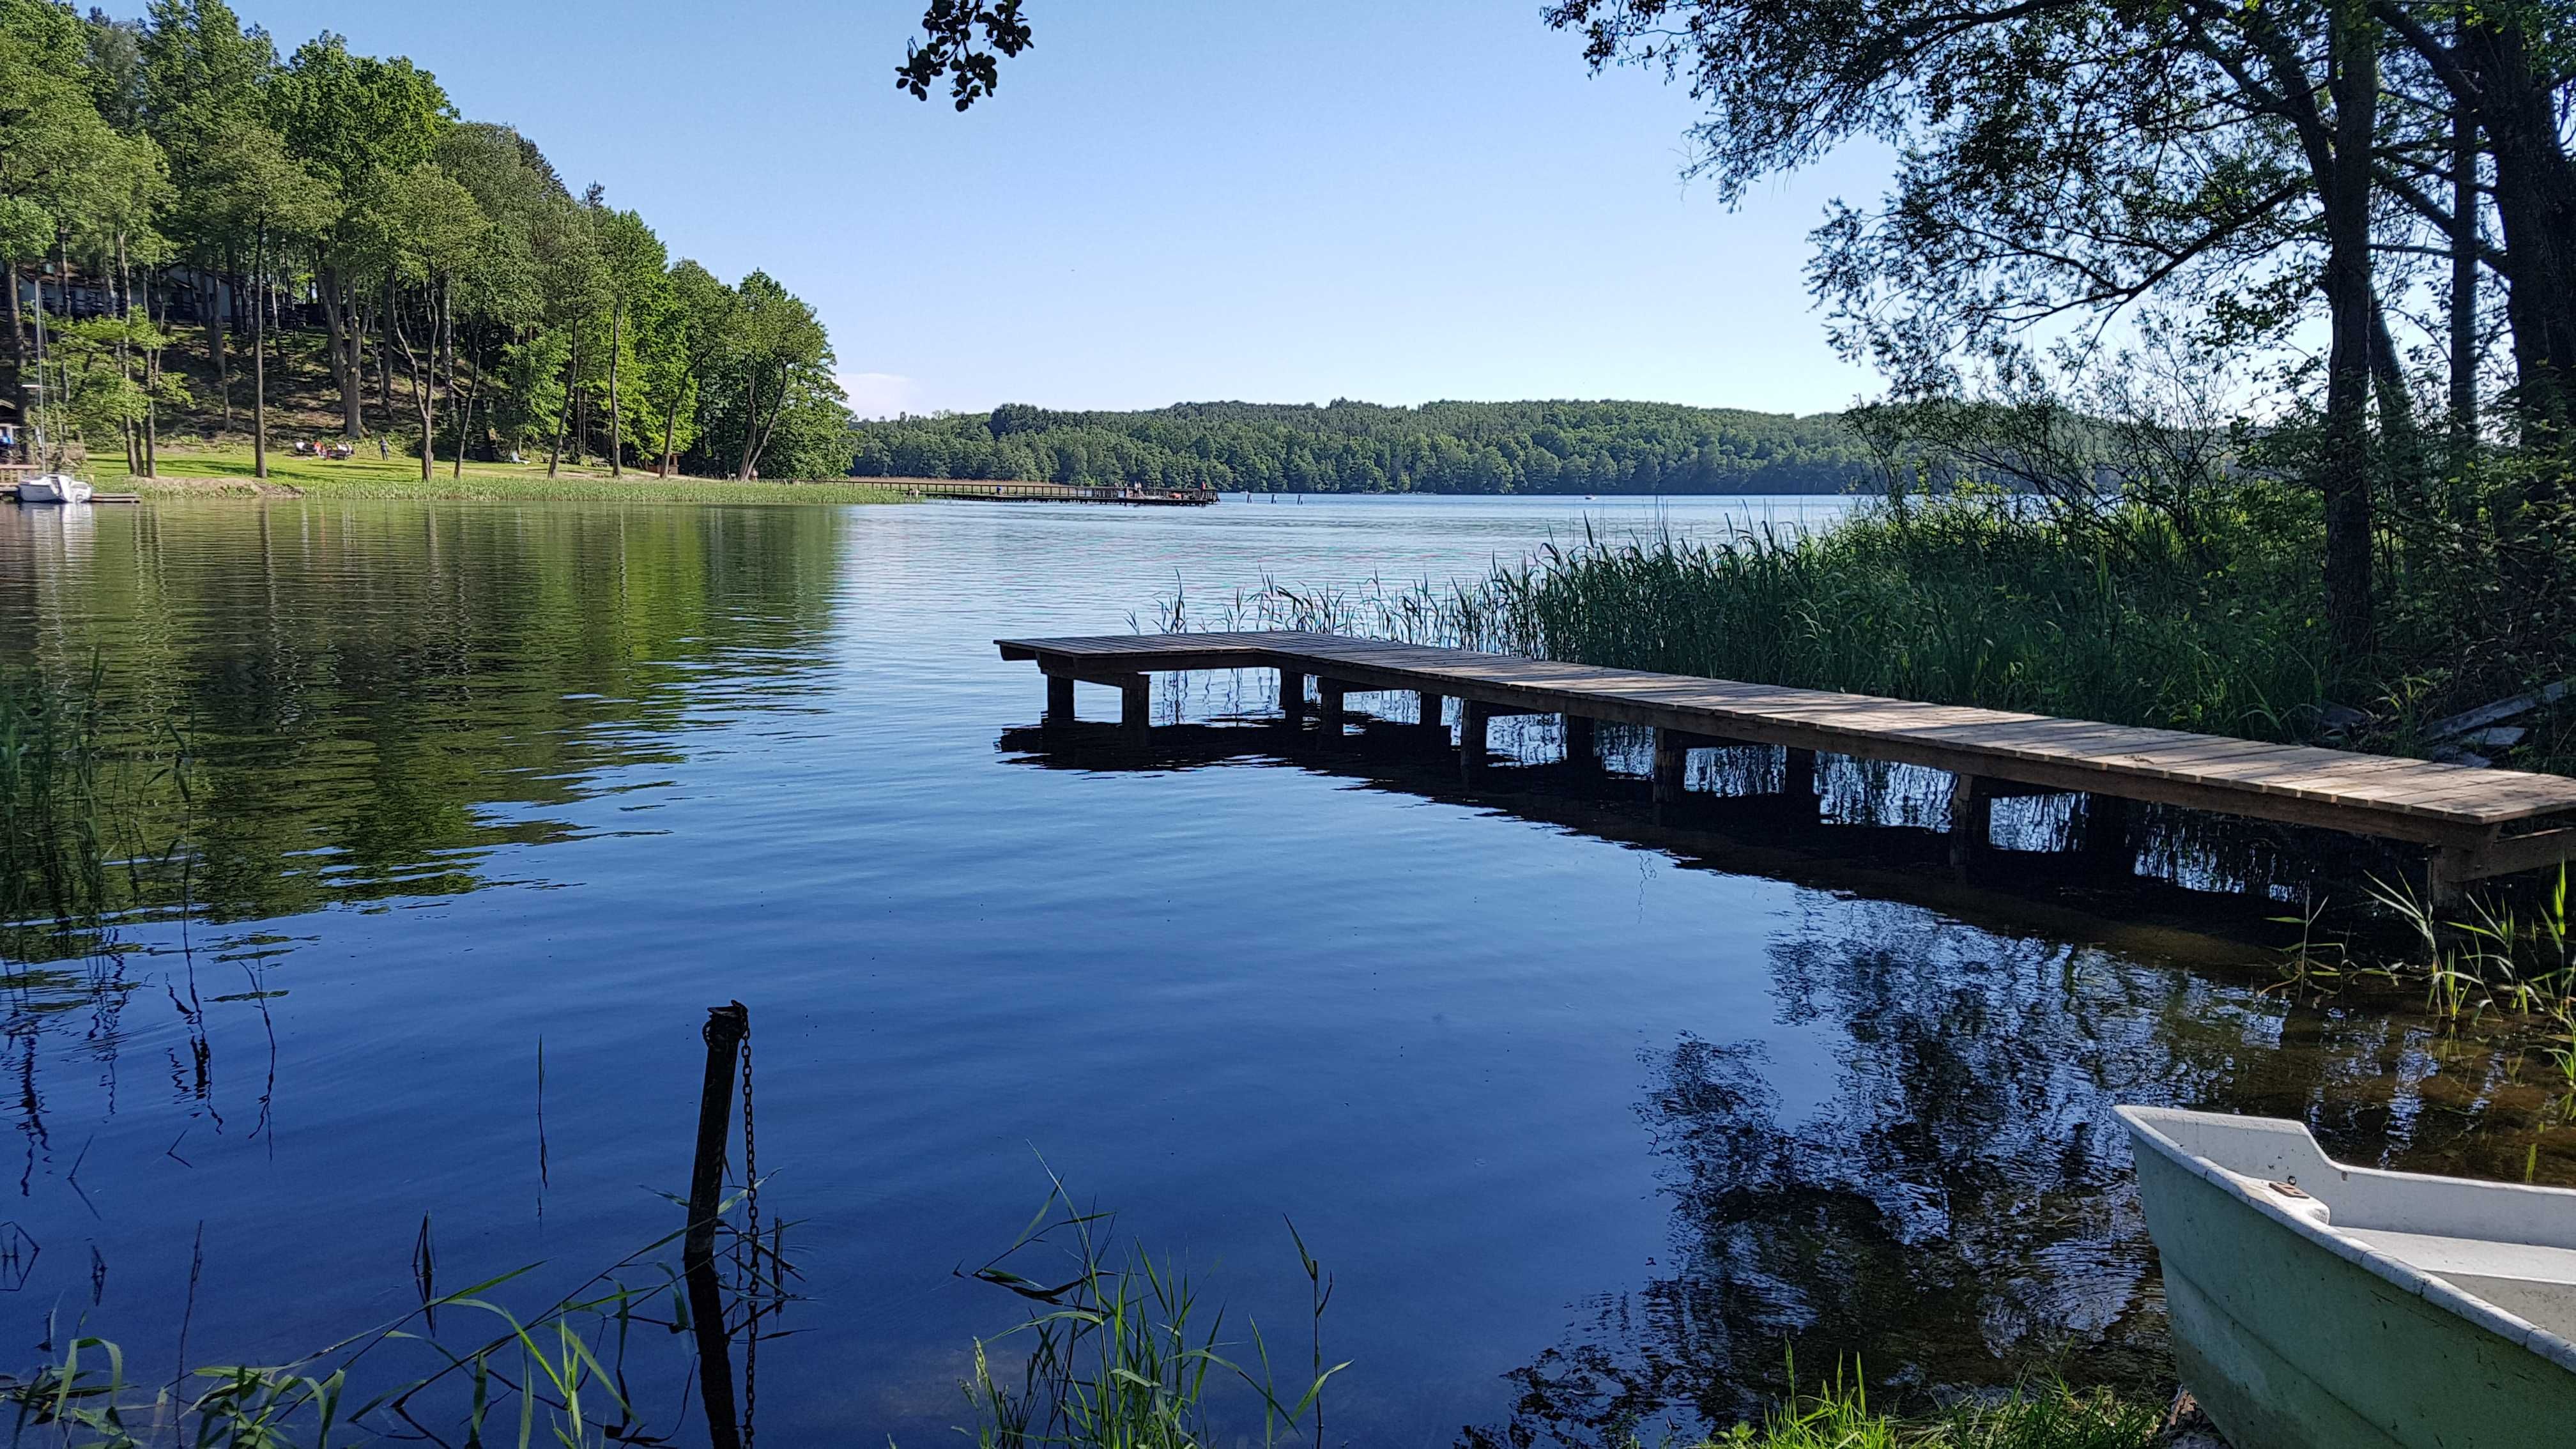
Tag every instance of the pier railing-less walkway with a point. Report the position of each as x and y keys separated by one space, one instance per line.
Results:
x=2474 y=822
x=991 y=490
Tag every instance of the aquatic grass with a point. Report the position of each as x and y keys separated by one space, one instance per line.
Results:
x=2052 y=1415
x=1120 y=1351
x=77 y=777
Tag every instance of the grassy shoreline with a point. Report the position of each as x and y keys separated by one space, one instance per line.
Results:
x=227 y=472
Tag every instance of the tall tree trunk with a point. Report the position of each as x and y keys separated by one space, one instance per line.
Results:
x=2535 y=202
x=221 y=290
x=156 y=305
x=424 y=393
x=671 y=431
x=750 y=419
x=339 y=324
x=616 y=414
x=2344 y=469
x=571 y=386
x=125 y=354
x=385 y=355
x=259 y=367
x=580 y=403
x=2464 y=282
x=447 y=359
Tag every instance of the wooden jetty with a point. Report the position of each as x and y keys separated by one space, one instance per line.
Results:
x=1000 y=490
x=2472 y=823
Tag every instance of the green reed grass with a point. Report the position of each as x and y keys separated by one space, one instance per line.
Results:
x=1836 y=1415
x=1121 y=1351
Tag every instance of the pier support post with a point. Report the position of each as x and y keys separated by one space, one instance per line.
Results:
x=1582 y=743
x=1292 y=694
x=2108 y=851
x=1059 y=699
x=1672 y=759
x=1430 y=706
x=1798 y=777
x=2444 y=871
x=1330 y=716
x=1136 y=703
x=1972 y=819
x=1472 y=721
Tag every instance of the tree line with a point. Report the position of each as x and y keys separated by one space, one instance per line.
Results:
x=174 y=172
x=1355 y=447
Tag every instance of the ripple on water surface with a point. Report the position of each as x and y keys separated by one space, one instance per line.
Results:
x=1586 y=1131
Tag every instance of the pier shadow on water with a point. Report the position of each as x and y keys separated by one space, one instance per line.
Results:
x=1948 y=1203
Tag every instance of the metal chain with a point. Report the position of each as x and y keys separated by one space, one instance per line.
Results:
x=750 y=1153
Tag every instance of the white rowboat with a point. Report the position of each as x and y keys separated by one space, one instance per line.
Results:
x=2319 y=1306
x=53 y=488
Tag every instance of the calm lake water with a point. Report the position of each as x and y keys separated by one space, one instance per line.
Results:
x=1588 y=1121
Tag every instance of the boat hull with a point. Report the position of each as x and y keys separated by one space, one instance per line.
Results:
x=53 y=488
x=2291 y=1343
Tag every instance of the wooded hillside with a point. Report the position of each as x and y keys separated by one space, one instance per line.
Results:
x=1355 y=447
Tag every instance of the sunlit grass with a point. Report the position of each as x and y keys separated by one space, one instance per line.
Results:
x=188 y=470
x=1837 y=1415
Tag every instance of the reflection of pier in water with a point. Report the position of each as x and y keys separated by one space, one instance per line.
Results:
x=1867 y=827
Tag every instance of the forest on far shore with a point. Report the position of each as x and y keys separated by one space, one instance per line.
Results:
x=1356 y=447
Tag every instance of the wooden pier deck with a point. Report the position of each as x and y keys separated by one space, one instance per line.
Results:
x=2473 y=822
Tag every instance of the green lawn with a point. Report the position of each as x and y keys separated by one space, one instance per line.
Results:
x=368 y=476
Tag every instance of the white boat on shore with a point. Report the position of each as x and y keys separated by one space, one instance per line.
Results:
x=53 y=488
x=2319 y=1306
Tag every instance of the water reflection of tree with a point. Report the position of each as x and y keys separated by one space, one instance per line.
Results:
x=1955 y=1210
x=294 y=707
x=373 y=695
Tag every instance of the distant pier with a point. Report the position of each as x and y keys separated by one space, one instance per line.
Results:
x=1001 y=490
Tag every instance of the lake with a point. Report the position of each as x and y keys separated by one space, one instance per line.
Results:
x=1589 y=1123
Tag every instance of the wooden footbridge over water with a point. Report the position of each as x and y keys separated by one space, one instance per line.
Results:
x=2472 y=823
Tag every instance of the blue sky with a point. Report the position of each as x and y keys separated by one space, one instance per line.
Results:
x=1170 y=199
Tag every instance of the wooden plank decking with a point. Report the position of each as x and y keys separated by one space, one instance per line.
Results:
x=2476 y=822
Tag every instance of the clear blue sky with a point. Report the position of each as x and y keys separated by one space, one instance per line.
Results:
x=1169 y=199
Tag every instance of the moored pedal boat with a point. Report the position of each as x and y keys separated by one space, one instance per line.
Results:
x=2319 y=1306
x=53 y=488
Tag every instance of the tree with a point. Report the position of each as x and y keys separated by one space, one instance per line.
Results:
x=200 y=80
x=949 y=48
x=688 y=338
x=501 y=294
x=423 y=229
x=252 y=191
x=2067 y=156
x=58 y=160
x=631 y=263
x=780 y=364
x=354 y=120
